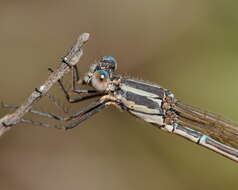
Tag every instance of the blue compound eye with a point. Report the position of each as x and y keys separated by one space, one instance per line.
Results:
x=100 y=80
x=109 y=59
x=102 y=74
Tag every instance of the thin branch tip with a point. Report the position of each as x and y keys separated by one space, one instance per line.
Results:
x=85 y=36
x=72 y=58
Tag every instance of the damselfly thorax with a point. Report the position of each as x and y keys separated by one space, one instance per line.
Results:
x=143 y=100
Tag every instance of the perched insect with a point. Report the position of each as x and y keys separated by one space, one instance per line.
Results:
x=151 y=103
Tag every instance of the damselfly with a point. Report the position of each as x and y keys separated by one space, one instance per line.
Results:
x=152 y=103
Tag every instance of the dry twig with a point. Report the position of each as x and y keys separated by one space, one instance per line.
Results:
x=71 y=59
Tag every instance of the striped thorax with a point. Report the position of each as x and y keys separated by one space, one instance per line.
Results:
x=149 y=102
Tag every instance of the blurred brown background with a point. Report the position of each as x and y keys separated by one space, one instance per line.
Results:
x=190 y=47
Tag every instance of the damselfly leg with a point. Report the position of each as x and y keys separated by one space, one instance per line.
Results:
x=81 y=115
x=75 y=79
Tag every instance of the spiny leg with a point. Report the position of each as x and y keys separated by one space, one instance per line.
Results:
x=86 y=116
x=82 y=115
x=39 y=123
x=88 y=109
x=36 y=112
x=75 y=77
x=61 y=118
x=74 y=69
x=77 y=91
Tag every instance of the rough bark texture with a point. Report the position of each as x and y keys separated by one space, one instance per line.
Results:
x=71 y=59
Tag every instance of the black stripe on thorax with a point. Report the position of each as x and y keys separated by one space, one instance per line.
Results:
x=140 y=100
x=145 y=87
x=137 y=111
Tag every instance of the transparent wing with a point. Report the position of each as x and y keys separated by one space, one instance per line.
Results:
x=208 y=123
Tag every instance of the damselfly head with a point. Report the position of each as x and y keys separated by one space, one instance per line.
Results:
x=100 y=73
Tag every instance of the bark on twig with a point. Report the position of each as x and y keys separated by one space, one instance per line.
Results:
x=71 y=59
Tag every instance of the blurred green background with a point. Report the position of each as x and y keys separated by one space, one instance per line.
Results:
x=189 y=47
